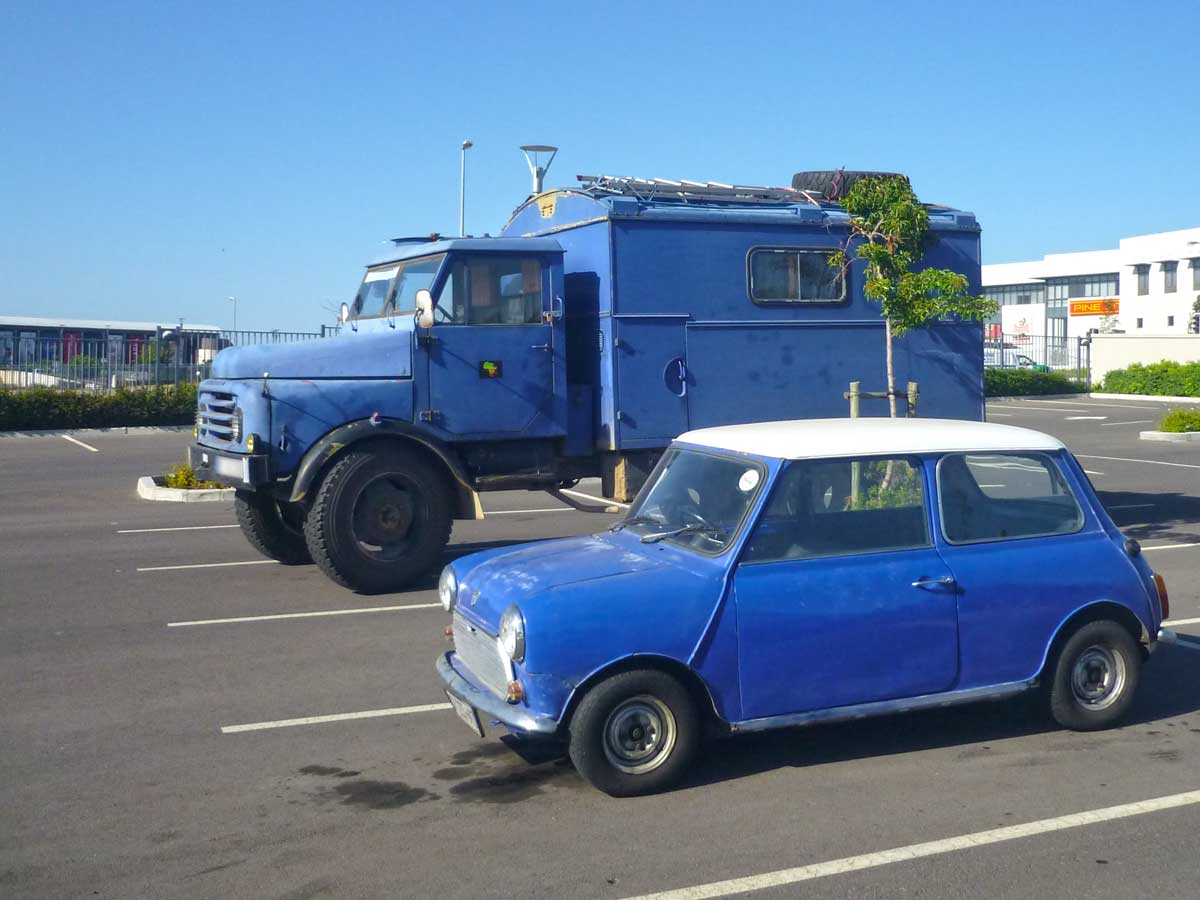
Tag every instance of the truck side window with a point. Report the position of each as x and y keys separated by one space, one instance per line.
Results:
x=494 y=290
x=791 y=275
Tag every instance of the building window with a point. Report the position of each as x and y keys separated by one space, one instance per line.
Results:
x=1170 y=321
x=1143 y=276
x=1196 y=274
x=1170 y=276
x=785 y=275
x=1139 y=323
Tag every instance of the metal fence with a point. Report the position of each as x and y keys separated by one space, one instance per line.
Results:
x=1069 y=355
x=111 y=362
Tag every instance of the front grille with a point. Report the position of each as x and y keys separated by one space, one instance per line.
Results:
x=480 y=652
x=217 y=410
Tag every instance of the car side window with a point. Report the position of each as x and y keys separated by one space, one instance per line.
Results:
x=841 y=507
x=996 y=497
x=492 y=290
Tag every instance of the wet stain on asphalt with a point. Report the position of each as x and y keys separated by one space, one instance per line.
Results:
x=489 y=750
x=515 y=785
x=1165 y=755
x=370 y=794
x=336 y=771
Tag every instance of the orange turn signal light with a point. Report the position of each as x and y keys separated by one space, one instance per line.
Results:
x=1164 y=602
x=516 y=692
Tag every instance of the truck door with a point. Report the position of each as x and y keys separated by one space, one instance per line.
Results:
x=492 y=357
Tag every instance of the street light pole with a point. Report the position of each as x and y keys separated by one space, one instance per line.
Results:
x=233 y=300
x=462 y=190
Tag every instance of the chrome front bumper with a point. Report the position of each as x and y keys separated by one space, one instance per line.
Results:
x=458 y=681
x=1166 y=636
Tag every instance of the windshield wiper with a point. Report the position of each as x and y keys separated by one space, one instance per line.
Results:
x=685 y=529
x=637 y=520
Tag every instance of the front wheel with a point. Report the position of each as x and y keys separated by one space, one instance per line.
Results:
x=634 y=733
x=380 y=519
x=1094 y=677
x=274 y=529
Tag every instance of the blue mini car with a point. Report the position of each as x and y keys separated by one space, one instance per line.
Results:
x=790 y=573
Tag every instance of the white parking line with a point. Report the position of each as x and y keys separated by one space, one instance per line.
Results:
x=784 y=877
x=1001 y=415
x=1149 y=462
x=1085 y=418
x=1171 y=546
x=304 y=615
x=1093 y=404
x=1135 y=422
x=1090 y=472
x=249 y=562
x=1049 y=409
x=602 y=500
x=517 y=512
x=67 y=437
x=1174 y=622
x=337 y=717
x=176 y=528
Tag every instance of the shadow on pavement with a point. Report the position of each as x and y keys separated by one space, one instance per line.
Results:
x=1154 y=516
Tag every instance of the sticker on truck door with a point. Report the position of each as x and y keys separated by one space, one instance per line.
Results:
x=491 y=368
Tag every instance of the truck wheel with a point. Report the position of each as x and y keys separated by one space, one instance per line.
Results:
x=380 y=520
x=272 y=528
x=1094 y=677
x=634 y=733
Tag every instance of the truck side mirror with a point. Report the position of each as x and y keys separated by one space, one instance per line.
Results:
x=424 y=308
x=344 y=313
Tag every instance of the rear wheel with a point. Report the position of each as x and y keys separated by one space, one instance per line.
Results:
x=274 y=529
x=1094 y=677
x=634 y=733
x=380 y=519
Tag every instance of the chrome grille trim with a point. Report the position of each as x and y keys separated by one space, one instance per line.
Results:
x=480 y=652
x=217 y=410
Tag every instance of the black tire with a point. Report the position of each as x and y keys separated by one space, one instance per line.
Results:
x=832 y=184
x=380 y=519
x=1093 y=679
x=616 y=707
x=273 y=529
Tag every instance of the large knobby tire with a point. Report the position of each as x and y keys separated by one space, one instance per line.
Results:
x=273 y=529
x=634 y=733
x=380 y=519
x=1092 y=681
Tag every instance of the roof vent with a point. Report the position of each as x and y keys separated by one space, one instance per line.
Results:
x=538 y=172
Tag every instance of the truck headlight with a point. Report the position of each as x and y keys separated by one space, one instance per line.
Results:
x=235 y=426
x=447 y=589
x=512 y=634
x=199 y=423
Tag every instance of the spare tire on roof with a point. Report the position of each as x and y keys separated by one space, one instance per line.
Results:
x=833 y=184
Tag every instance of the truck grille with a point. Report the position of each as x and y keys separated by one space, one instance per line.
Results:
x=480 y=652
x=217 y=410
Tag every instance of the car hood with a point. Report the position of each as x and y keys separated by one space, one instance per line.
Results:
x=500 y=578
x=377 y=354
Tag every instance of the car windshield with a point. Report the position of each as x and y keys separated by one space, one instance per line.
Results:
x=408 y=278
x=695 y=499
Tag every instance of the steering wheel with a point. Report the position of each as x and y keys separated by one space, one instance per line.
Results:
x=441 y=314
x=690 y=515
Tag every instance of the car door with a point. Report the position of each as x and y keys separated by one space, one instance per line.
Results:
x=841 y=596
x=492 y=353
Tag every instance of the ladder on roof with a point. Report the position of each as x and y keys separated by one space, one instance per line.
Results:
x=649 y=188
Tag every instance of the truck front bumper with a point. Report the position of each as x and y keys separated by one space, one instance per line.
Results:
x=234 y=469
x=459 y=682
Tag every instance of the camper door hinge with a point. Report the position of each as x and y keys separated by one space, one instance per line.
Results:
x=428 y=415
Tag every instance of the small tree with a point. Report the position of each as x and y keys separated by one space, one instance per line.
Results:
x=889 y=231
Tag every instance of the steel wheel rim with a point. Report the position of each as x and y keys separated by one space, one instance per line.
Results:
x=385 y=518
x=639 y=735
x=1098 y=677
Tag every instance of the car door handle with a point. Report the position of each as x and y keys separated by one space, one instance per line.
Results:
x=945 y=581
x=539 y=346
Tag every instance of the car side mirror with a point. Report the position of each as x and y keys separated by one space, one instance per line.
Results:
x=424 y=308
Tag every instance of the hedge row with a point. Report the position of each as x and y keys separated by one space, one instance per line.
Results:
x=1163 y=379
x=1027 y=382
x=1178 y=420
x=48 y=408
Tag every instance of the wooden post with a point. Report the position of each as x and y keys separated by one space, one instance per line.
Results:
x=912 y=399
x=854 y=386
x=855 y=467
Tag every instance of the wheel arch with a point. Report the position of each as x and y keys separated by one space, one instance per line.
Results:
x=687 y=676
x=326 y=450
x=1095 y=612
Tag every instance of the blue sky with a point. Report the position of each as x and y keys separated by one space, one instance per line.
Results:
x=157 y=158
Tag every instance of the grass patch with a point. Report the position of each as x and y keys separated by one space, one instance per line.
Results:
x=184 y=476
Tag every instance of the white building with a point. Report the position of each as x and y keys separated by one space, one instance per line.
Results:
x=1148 y=285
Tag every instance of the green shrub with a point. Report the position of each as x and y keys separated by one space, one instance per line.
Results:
x=1180 y=420
x=49 y=408
x=1027 y=382
x=184 y=476
x=1162 y=379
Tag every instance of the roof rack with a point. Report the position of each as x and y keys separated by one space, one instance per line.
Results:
x=682 y=189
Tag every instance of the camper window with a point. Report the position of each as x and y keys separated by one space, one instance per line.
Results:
x=794 y=275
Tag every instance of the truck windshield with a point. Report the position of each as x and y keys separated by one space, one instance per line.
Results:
x=394 y=286
x=695 y=499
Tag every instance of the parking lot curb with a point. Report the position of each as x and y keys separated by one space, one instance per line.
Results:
x=147 y=489
x=130 y=429
x=1174 y=437
x=1152 y=397
x=1072 y=396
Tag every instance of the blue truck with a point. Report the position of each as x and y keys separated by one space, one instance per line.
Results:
x=604 y=321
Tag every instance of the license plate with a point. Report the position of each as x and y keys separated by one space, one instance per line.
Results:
x=467 y=713
x=224 y=465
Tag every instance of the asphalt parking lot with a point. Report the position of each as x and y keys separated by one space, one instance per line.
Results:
x=183 y=718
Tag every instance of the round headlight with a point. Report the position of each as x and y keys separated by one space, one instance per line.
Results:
x=235 y=426
x=447 y=589
x=512 y=634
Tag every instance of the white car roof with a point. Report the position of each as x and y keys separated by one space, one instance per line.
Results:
x=816 y=438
